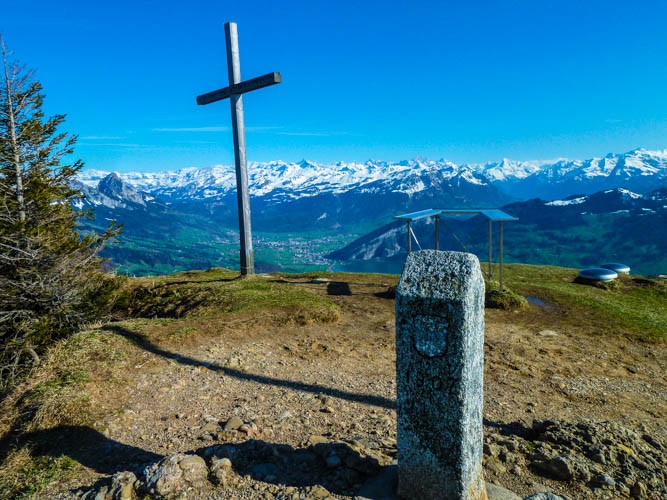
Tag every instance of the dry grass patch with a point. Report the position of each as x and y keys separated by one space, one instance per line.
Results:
x=55 y=395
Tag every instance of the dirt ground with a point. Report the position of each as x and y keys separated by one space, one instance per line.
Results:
x=303 y=384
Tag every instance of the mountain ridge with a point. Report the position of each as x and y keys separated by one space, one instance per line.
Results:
x=304 y=211
x=579 y=231
x=638 y=169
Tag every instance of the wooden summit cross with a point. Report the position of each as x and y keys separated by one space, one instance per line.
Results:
x=235 y=92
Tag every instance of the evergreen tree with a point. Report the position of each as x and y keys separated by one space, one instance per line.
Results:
x=49 y=274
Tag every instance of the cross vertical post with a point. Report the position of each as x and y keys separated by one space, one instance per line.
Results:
x=238 y=128
x=235 y=92
x=437 y=232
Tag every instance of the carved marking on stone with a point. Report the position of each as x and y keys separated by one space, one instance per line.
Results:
x=430 y=335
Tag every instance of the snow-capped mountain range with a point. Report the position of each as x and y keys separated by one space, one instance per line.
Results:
x=639 y=170
x=181 y=218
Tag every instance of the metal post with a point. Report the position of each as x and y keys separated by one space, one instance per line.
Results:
x=437 y=232
x=500 y=272
x=238 y=128
x=490 y=249
x=409 y=238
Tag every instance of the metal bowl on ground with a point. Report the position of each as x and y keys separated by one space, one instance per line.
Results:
x=598 y=274
x=617 y=267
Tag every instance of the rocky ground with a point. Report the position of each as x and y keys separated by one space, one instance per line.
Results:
x=247 y=406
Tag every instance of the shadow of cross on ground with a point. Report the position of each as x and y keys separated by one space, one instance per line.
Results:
x=142 y=342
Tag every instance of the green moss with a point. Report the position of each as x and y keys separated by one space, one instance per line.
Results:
x=505 y=299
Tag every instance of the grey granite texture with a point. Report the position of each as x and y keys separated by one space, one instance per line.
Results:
x=439 y=375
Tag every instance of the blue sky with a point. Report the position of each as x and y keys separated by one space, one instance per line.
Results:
x=468 y=81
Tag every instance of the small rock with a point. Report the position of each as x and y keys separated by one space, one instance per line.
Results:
x=211 y=428
x=604 y=480
x=547 y=333
x=220 y=471
x=175 y=474
x=123 y=486
x=247 y=429
x=597 y=454
x=101 y=494
x=315 y=440
x=638 y=490
x=224 y=436
x=652 y=441
x=559 y=467
x=192 y=465
x=233 y=423
x=495 y=492
x=495 y=466
x=224 y=462
x=319 y=492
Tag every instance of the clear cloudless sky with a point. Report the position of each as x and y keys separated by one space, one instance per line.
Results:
x=470 y=81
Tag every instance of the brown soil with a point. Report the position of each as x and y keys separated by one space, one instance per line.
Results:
x=302 y=383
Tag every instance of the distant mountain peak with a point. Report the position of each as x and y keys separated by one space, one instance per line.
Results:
x=639 y=170
x=113 y=187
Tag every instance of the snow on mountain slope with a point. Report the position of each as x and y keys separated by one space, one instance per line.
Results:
x=639 y=170
x=281 y=179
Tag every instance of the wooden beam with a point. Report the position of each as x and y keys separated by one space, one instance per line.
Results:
x=240 y=88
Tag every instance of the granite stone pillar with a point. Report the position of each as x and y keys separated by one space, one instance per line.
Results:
x=439 y=375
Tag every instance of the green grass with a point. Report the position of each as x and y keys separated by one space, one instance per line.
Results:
x=207 y=293
x=29 y=476
x=635 y=306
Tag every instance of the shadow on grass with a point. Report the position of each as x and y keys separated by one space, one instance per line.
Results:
x=200 y=282
x=86 y=446
x=338 y=288
x=142 y=342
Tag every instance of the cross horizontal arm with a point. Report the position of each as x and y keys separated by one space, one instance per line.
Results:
x=240 y=88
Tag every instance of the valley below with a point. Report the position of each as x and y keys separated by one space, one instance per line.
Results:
x=311 y=217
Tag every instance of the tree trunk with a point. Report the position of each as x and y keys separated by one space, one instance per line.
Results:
x=12 y=137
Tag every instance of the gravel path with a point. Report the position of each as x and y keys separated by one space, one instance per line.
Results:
x=306 y=411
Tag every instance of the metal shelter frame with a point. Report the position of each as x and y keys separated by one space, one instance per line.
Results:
x=492 y=215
